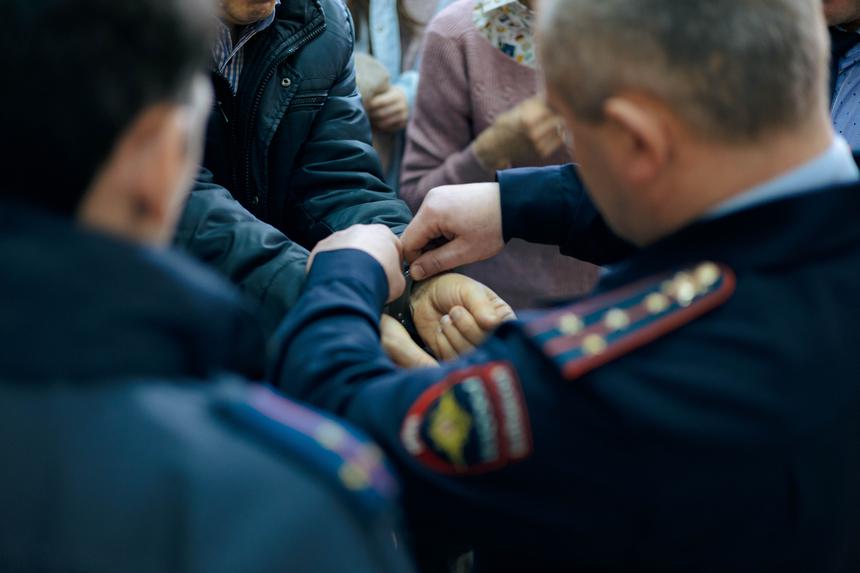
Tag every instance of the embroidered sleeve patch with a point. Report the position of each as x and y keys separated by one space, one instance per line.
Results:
x=475 y=421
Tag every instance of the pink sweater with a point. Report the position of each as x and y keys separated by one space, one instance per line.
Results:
x=466 y=83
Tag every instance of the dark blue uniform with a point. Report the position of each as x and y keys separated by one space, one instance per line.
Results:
x=129 y=442
x=701 y=412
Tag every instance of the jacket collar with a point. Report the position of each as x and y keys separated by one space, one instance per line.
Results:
x=777 y=234
x=296 y=23
x=82 y=306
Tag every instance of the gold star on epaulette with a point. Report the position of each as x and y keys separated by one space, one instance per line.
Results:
x=595 y=331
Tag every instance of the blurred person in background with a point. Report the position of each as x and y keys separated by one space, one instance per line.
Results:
x=478 y=110
x=843 y=17
x=387 y=40
x=131 y=438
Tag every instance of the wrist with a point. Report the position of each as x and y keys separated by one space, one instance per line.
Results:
x=401 y=308
x=351 y=266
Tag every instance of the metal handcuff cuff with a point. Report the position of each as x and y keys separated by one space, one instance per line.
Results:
x=401 y=309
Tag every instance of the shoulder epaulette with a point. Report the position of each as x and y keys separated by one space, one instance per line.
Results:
x=346 y=460
x=591 y=333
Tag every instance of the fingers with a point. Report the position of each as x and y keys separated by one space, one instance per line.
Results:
x=455 y=336
x=534 y=111
x=383 y=100
x=392 y=118
x=442 y=347
x=449 y=256
x=547 y=136
x=377 y=241
x=401 y=348
x=488 y=309
x=504 y=312
x=466 y=325
x=423 y=229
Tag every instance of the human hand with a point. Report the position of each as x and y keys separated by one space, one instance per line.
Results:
x=469 y=217
x=453 y=314
x=389 y=111
x=377 y=241
x=400 y=347
x=524 y=135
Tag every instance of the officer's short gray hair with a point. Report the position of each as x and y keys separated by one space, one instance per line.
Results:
x=732 y=69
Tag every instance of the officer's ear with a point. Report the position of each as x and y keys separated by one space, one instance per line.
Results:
x=642 y=137
x=135 y=191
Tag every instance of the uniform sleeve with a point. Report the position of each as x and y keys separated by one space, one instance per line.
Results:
x=475 y=439
x=338 y=179
x=263 y=262
x=438 y=147
x=549 y=205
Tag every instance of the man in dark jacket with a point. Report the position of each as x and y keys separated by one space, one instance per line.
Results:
x=289 y=159
x=700 y=412
x=131 y=440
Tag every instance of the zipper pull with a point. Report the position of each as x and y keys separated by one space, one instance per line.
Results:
x=223 y=113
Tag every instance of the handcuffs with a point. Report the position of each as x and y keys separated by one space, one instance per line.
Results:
x=401 y=309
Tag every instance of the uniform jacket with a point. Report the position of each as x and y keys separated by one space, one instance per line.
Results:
x=699 y=412
x=130 y=439
x=291 y=149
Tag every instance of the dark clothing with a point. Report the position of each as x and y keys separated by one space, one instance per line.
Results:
x=130 y=440
x=293 y=149
x=688 y=417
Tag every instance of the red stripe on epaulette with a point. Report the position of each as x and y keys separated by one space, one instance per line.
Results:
x=597 y=331
x=658 y=329
x=588 y=306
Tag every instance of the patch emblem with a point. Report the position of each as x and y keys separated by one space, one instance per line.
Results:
x=473 y=422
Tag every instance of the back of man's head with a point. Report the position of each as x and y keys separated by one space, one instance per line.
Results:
x=733 y=69
x=77 y=74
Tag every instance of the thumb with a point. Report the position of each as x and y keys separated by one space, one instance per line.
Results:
x=401 y=348
x=444 y=258
x=420 y=233
x=486 y=306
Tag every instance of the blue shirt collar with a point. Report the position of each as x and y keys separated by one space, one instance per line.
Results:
x=833 y=167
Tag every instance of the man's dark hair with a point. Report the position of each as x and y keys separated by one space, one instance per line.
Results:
x=77 y=73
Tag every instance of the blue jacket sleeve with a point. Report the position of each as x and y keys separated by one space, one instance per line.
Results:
x=550 y=205
x=472 y=439
x=262 y=261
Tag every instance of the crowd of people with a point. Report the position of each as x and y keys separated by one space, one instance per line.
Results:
x=407 y=285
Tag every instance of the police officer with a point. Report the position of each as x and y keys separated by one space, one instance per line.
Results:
x=700 y=412
x=131 y=440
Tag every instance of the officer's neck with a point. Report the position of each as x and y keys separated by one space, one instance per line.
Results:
x=713 y=174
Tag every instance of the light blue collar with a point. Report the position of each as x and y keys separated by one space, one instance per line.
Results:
x=833 y=167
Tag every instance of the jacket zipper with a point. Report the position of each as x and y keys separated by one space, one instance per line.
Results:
x=231 y=125
x=258 y=98
x=307 y=101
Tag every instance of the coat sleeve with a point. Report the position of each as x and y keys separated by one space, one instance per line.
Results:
x=550 y=206
x=438 y=147
x=265 y=264
x=338 y=179
x=472 y=439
